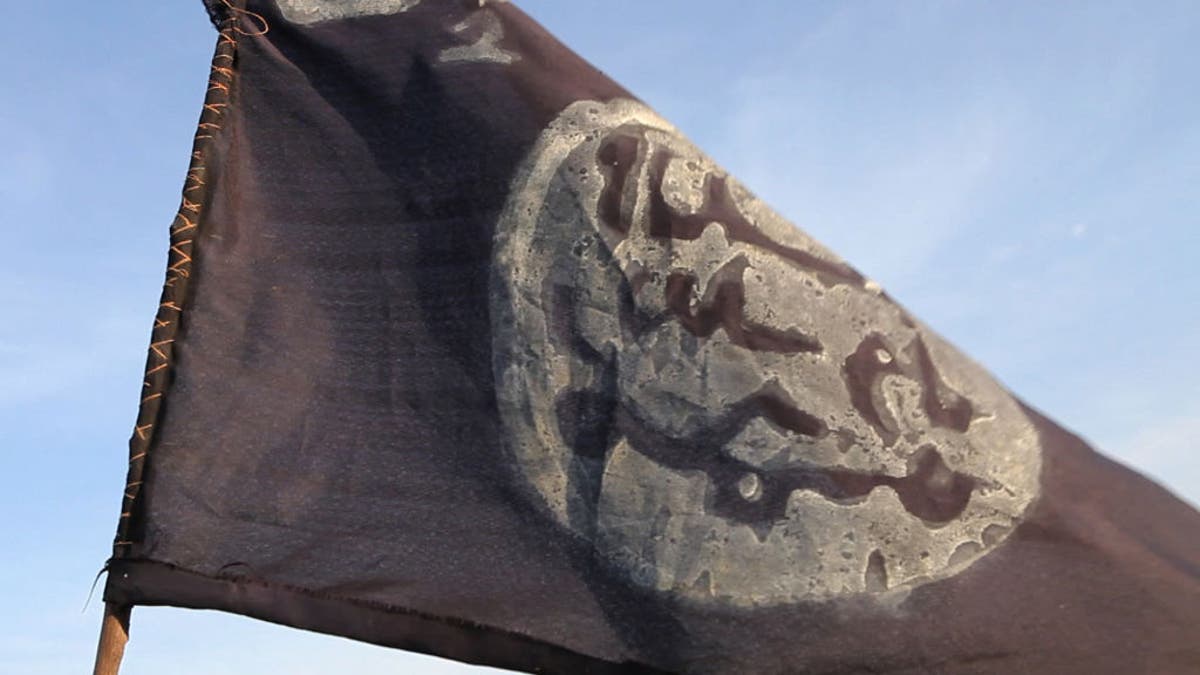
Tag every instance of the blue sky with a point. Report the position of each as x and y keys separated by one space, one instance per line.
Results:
x=1022 y=175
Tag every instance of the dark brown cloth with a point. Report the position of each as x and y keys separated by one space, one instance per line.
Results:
x=321 y=443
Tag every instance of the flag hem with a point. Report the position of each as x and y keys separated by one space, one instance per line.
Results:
x=152 y=583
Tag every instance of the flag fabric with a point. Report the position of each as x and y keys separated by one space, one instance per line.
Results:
x=465 y=350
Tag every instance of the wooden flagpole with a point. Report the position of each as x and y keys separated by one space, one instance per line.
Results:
x=114 y=633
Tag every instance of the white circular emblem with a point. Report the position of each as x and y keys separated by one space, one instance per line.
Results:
x=724 y=408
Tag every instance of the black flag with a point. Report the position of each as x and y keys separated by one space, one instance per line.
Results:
x=465 y=350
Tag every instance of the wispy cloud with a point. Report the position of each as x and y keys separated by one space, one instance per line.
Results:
x=53 y=347
x=885 y=199
x=26 y=171
x=1167 y=449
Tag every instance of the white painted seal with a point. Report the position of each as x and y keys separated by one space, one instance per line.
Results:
x=721 y=406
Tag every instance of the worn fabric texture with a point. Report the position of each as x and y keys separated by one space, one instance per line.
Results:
x=465 y=350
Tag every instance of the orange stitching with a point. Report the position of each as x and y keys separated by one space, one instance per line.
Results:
x=183 y=257
x=216 y=101
x=188 y=224
x=237 y=10
x=155 y=347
